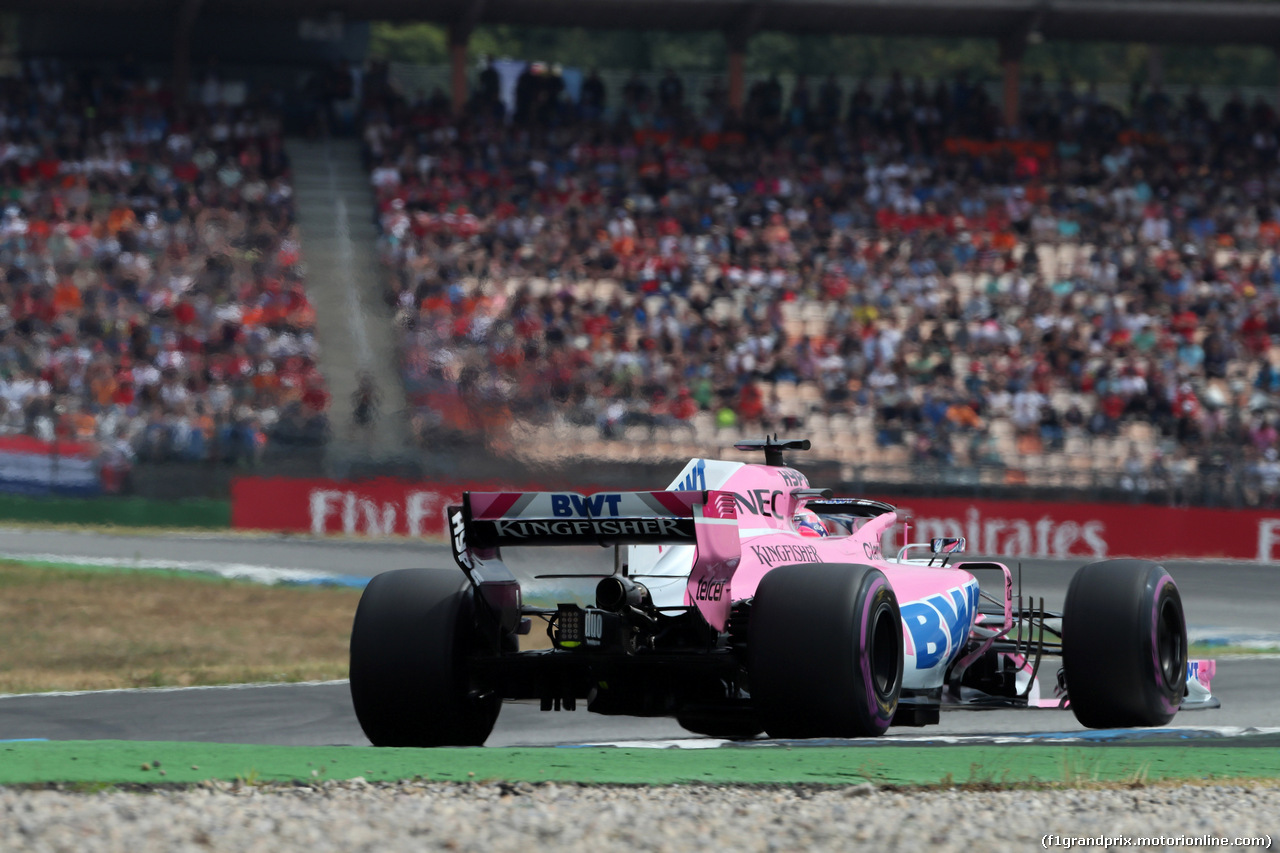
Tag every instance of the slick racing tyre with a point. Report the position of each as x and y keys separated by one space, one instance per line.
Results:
x=1124 y=645
x=411 y=647
x=825 y=651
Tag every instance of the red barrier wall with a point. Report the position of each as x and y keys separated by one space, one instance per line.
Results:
x=1008 y=528
x=1043 y=529
x=379 y=507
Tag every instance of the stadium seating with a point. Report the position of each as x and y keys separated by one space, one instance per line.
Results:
x=152 y=298
x=1071 y=302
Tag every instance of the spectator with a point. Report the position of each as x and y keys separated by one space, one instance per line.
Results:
x=150 y=274
x=1268 y=474
x=593 y=99
x=365 y=403
x=909 y=259
x=635 y=95
x=671 y=93
x=489 y=87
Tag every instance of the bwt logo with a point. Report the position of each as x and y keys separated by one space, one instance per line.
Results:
x=940 y=624
x=357 y=513
x=695 y=480
x=577 y=506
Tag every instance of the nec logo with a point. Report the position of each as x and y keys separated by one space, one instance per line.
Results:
x=939 y=625
x=577 y=506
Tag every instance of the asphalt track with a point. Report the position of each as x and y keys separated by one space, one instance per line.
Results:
x=1232 y=600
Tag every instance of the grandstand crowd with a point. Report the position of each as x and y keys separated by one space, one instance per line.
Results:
x=1093 y=291
x=1091 y=294
x=151 y=301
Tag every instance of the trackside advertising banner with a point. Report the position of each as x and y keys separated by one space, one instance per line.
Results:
x=390 y=507
x=381 y=507
x=1092 y=531
x=29 y=466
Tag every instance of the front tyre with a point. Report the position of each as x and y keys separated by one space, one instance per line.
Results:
x=825 y=651
x=411 y=648
x=1124 y=645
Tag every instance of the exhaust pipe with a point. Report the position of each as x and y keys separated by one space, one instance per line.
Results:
x=616 y=593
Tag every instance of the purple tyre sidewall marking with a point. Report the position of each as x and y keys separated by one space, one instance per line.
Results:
x=879 y=713
x=1169 y=707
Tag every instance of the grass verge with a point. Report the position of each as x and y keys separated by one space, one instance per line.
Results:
x=128 y=762
x=80 y=629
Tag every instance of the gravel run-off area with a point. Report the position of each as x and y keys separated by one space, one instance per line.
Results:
x=413 y=816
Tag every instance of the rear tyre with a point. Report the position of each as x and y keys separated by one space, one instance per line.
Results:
x=1124 y=645
x=411 y=648
x=825 y=651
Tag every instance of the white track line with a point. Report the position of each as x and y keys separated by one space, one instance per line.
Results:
x=146 y=690
x=1030 y=738
x=237 y=571
x=1239 y=637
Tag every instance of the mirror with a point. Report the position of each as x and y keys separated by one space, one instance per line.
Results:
x=947 y=545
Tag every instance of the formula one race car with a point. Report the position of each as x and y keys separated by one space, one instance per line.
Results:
x=741 y=601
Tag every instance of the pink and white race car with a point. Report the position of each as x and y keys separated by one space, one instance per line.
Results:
x=741 y=601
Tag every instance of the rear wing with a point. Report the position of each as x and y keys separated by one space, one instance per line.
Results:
x=493 y=519
x=708 y=519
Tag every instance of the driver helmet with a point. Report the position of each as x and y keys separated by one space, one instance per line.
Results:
x=808 y=523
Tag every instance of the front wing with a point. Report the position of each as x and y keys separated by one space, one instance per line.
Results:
x=1199 y=695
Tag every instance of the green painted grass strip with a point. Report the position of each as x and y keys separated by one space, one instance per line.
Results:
x=122 y=762
x=124 y=512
